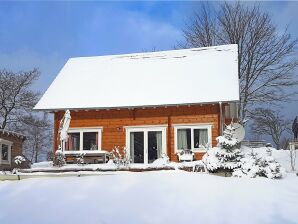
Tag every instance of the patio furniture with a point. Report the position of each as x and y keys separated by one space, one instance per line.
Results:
x=92 y=156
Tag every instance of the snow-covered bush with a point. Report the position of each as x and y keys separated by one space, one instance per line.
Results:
x=80 y=159
x=118 y=159
x=161 y=162
x=255 y=164
x=226 y=156
x=19 y=160
x=59 y=158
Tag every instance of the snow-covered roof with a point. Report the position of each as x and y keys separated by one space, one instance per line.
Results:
x=188 y=76
x=12 y=133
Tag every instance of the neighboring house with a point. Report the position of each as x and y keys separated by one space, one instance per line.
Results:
x=295 y=128
x=10 y=146
x=153 y=103
x=293 y=144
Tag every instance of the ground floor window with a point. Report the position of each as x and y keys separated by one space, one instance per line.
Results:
x=84 y=139
x=192 y=137
x=5 y=151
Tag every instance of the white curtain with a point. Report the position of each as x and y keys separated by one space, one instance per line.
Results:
x=132 y=149
x=182 y=138
x=159 y=143
x=203 y=137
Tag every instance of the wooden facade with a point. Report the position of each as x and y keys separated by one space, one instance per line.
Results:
x=15 y=143
x=113 y=122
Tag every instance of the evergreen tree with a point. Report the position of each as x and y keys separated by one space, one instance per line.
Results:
x=227 y=155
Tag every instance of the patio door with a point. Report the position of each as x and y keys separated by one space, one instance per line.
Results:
x=146 y=144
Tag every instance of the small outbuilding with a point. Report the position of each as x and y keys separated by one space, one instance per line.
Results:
x=11 y=144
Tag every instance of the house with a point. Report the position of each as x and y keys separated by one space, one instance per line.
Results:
x=10 y=146
x=293 y=143
x=151 y=103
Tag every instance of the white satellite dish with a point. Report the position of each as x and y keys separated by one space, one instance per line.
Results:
x=239 y=132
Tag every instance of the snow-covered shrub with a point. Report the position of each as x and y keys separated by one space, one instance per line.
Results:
x=161 y=162
x=118 y=159
x=18 y=160
x=59 y=158
x=50 y=155
x=255 y=164
x=80 y=159
x=226 y=156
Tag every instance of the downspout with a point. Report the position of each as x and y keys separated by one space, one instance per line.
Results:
x=169 y=150
x=220 y=119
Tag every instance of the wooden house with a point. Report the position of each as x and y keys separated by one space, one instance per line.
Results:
x=11 y=144
x=151 y=103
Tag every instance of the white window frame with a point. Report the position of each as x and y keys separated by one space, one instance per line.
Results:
x=192 y=127
x=146 y=129
x=9 y=144
x=81 y=131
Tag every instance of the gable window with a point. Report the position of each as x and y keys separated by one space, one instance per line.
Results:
x=192 y=137
x=5 y=151
x=85 y=139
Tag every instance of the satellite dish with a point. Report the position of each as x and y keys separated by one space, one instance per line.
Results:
x=239 y=132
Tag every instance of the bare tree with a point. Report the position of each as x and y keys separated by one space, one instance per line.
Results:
x=284 y=144
x=16 y=97
x=38 y=130
x=266 y=57
x=269 y=122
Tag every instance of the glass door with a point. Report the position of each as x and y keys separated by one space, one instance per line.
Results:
x=137 y=147
x=154 y=145
x=146 y=144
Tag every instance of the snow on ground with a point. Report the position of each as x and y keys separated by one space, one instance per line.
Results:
x=44 y=164
x=159 y=163
x=282 y=156
x=149 y=197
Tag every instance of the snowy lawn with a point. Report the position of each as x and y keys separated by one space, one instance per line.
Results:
x=149 y=197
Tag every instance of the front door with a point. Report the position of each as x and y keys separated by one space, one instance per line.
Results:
x=146 y=145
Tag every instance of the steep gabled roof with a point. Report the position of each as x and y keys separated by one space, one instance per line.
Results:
x=188 y=76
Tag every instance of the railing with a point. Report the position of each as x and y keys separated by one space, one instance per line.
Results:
x=254 y=144
x=293 y=144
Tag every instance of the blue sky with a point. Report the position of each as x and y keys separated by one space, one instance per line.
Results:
x=46 y=34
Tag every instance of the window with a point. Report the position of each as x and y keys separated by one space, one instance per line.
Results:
x=83 y=139
x=192 y=137
x=73 y=142
x=90 y=141
x=5 y=151
x=184 y=138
